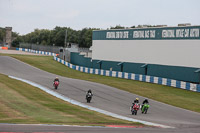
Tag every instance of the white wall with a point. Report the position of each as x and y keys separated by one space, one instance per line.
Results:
x=165 y=52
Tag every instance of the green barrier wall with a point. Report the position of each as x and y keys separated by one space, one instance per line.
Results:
x=80 y=60
x=134 y=68
x=172 y=72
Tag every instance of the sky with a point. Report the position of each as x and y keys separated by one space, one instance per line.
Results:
x=26 y=15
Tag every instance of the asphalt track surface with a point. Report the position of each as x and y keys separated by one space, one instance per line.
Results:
x=106 y=98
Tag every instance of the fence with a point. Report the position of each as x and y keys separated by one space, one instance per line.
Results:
x=53 y=49
x=36 y=51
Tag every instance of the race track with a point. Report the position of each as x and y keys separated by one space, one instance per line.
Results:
x=105 y=97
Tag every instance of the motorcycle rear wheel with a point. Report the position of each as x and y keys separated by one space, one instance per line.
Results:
x=145 y=111
x=135 y=112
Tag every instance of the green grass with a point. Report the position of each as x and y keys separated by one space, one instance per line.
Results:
x=23 y=103
x=173 y=96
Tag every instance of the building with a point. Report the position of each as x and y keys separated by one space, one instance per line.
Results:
x=174 y=46
x=8 y=39
x=168 y=52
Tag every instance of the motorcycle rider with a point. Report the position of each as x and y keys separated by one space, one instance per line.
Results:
x=135 y=101
x=56 y=79
x=89 y=92
x=145 y=102
x=89 y=95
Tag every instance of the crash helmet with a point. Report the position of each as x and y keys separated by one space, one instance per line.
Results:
x=56 y=77
x=137 y=99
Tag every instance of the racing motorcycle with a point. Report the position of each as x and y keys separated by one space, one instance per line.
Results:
x=145 y=107
x=88 y=97
x=56 y=83
x=135 y=108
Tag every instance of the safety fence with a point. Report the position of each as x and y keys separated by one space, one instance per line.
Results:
x=130 y=76
x=36 y=51
x=38 y=47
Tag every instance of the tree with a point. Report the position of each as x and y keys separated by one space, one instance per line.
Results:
x=2 y=34
x=85 y=37
x=16 y=42
x=57 y=36
x=118 y=27
x=133 y=26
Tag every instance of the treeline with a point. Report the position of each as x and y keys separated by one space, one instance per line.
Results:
x=2 y=34
x=55 y=37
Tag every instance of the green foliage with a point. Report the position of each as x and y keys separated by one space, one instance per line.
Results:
x=15 y=42
x=2 y=34
x=85 y=39
x=57 y=36
x=117 y=27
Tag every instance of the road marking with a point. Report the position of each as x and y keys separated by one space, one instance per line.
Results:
x=33 y=132
x=60 y=96
x=123 y=126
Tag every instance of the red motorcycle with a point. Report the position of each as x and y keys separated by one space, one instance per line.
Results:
x=56 y=83
x=135 y=108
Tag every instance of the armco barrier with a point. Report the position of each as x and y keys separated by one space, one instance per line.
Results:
x=36 y=51
x=130 y=76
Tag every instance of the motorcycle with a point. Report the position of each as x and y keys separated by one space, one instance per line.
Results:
x=145 y=108
x=135 y=108
x=89 y=97
x=56 y=83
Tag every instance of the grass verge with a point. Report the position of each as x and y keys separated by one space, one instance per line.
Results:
x=169 y=95
x=23 y=103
